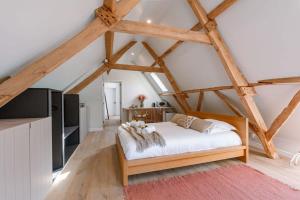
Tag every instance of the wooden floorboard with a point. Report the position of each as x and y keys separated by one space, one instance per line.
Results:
x=93 y=170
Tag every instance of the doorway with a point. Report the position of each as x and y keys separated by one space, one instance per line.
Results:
x=112 y=101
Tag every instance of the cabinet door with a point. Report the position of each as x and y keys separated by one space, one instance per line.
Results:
x=14 y=165
x=40 y=158
x=22 y=162
x=7 y=165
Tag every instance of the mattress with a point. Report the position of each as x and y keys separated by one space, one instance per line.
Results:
x=178 y=140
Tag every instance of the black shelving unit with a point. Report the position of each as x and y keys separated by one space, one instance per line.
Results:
x=71 y=125
x=40 y=103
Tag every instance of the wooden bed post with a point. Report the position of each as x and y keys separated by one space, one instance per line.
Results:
x=123 y=162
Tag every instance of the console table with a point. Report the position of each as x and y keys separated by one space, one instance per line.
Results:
x=149 y=115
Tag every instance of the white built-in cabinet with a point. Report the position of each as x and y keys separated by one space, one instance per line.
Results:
x=25 y=158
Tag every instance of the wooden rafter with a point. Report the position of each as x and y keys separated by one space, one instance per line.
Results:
x=4 y=79
x=200 y=101
x=238 y=80
x=160 y=31
x=181 y=98
x=220 y=8
x=136 y=68
x=103 y=68
x=33 y=72
x=283 y=116
x=287 y=80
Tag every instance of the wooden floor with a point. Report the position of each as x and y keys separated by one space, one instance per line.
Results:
x=93 y=170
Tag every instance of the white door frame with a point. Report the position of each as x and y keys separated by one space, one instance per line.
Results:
x=120 y=95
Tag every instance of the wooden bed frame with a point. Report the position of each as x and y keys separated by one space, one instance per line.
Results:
x=139 y=166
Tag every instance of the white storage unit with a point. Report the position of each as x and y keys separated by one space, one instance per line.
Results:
x=25 y=158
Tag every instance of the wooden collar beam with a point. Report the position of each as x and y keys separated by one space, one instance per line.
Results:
x=160 y=31
x=136 y=68
x=267 y=82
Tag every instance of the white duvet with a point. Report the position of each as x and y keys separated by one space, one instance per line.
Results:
x=178 y=140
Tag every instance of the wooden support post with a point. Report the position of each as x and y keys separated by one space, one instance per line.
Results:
x=181 y=98
x=109 y=42
x=235 y=75
x=283 y=116
x=200 y=101
x=76 y=89
x=33 y=72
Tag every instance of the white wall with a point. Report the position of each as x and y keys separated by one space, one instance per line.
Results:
x=92 y=97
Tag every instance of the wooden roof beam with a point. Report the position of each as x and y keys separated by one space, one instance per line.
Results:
x=283 y=116
x=286 y=80
x=136 y=68
x=160 y=31
x=220 y=8
x=103 y=68
x=33 y=72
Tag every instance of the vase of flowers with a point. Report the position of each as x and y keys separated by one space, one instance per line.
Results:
x=141 y=98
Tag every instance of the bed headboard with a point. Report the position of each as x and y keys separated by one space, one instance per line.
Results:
x=241 y=123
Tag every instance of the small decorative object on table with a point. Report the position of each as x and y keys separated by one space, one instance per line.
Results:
x=141 y=98
x=295 y=159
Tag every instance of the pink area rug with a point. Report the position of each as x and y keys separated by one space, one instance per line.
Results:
x=236 y=182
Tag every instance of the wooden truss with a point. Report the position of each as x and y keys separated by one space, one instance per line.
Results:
x=109 y=20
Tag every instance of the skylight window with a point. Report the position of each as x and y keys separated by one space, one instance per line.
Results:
x=160 y=84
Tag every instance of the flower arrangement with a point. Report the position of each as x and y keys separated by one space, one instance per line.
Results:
x=141 y=98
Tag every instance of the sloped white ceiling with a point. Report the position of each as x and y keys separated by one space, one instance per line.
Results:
x=262 y=35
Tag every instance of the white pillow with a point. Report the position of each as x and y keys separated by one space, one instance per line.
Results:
x=219 y=126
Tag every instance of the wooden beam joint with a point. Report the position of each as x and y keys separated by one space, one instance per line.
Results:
x=210 y=25
x=246 y=91
x=107 y=16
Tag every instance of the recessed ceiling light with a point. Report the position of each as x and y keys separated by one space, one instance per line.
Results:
x=132 y=53
x=149 y=21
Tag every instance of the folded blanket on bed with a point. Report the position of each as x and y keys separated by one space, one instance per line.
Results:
x=144 y=138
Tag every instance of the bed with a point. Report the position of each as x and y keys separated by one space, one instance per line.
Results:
x=184 y=147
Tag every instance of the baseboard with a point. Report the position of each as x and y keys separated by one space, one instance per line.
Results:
x=257 y=146
x=95 y=129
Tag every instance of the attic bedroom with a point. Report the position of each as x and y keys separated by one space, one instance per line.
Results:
x=149 y=100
